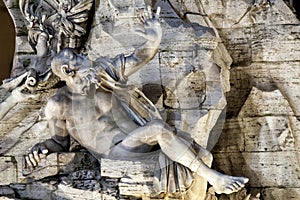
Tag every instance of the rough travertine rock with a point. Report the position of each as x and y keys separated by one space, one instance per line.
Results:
x=134 y=178
x=262 y=125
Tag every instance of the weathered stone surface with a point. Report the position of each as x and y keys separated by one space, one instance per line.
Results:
x=64 y=192
x=257 y=43
x=8 y=170
x=110 y=189
x=135 y=177
x=6 y=192
x=281 y=193
x=35 y=190
x=233 y=14
x=62 y=163
x=268 y=169
x=136 y=169
x=24 y=46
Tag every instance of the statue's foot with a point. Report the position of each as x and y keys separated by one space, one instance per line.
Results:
x=228 y=184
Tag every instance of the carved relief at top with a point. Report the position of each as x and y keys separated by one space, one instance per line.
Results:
x=60 y=23
x=52 y=25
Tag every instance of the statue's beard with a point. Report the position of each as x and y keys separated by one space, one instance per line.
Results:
x=85 y=90
x=87 y=82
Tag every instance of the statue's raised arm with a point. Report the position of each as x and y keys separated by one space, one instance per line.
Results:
x=152 y=33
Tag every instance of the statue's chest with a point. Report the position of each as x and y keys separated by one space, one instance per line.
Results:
x=82 y=110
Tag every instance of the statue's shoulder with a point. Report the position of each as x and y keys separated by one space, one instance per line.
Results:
x=58 y=104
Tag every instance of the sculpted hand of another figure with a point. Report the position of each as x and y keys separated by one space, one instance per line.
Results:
x=153 y=31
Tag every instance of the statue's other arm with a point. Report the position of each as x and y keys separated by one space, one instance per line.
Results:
x=152 y=33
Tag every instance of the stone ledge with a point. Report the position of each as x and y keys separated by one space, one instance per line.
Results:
x=61 y=163
x=133 y=178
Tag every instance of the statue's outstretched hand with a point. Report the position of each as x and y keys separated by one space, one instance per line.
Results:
x=40 y=150
x=152 y=27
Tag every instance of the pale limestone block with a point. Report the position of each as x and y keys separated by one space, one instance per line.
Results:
x=231 y=13
x=66 y=192
x=136 y=170
x=48 y=166
x=23 y=45
x=267 y=134
x=264 y=169
x=138 y=189
x=8 y=170
x=136 y=178
x=14 y=126
x=60 y=163
x=266 y=104
x=148 y=75
x=281 y=193
x=6 y=193
x=37 y=132
x=18 y=20
x=34 y=190
x=231 y=139
x=9 y=139
x=238 y=44
x=109 y=197
x=25 y=112
x=286 y=47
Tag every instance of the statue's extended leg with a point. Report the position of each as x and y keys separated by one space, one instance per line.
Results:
x=180 y=150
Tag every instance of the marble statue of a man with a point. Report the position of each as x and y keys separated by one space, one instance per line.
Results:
x=114 y=120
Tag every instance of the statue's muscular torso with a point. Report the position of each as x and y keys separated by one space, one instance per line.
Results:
x=88 y=119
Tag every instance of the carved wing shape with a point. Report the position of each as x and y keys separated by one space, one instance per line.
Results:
x=50 y=5
x=79 y=14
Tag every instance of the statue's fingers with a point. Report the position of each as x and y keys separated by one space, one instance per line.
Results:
x=142 y=18
x=157 y=12
x=146 y=36
x=141 y=33
x=24 y=163
x=146 y=17
x=33 y=161
x=149 y=12
x=36 y=156
x=42 y=156
x=35 y=148
x=44 y=149
x=28 y=162
x=146 y=14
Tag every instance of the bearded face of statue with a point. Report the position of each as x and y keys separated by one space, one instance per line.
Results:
x=75 y=70
x=82 y=81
